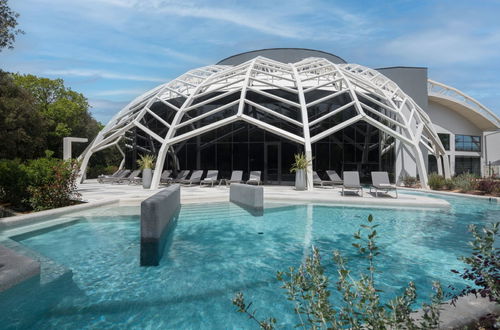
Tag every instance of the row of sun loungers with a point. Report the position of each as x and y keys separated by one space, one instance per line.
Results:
x=126 y=176
x=380 y=180
x=121 y=177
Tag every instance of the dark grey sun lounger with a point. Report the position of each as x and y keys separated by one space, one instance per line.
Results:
x=103 y=177
x=211 y=177
x=380 y=181
x=317 y=180
x=254 y=178
x=181 y=176
x=334 y=177
x=165 y=177
x=351 y=182
x=121 y=175
x=131 y=178
x=194 y=178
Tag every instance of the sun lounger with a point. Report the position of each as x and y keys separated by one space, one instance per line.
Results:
x=165 y=177
x=236 y=177
x=103 y=177
x=380 y=181
x=211 y=178
x=122 y=174
x=351 y=182
x=194 y=178
x=182 y=175
x=131 y=178
x=319 y=182
x=254 y=178
x=334 y=177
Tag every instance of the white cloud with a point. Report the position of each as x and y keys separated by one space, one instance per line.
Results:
x=103 y=110
x=276 y=18
x=102 y=74
x=444 y=39
x=121 y=92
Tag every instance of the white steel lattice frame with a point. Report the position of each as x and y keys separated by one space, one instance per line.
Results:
x=397 y=114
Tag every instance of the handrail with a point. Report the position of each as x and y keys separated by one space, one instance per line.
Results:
x=438 y=88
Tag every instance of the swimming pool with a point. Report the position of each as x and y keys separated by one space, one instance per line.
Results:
x=219 y=249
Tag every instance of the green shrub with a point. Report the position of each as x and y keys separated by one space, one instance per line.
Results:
x=361 y=307
x=94 y=171
x=496 y=190
x=52 y=182
x=436 y=181
x=39 y=184
x=483 y=265
x=410 y=181
x=464 y=182
x=14 y=184
x=489 y=186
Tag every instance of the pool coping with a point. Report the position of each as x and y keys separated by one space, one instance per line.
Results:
x=31 y=218
x=269 y=196
x=451 y=193
x=466 y=312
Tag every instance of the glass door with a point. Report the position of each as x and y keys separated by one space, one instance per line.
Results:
x=272 y=163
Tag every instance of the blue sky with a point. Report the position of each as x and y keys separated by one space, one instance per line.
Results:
x=113 y=50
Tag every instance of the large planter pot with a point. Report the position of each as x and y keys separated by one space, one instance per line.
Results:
x=300 y=180
x=147 y=175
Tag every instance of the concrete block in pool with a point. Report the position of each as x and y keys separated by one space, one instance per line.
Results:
x=158 y=215
x=249 y=197
x=16 y=268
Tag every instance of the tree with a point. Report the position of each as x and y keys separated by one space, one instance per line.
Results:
x=8 y=23
x=22 y=132
x=65 y=112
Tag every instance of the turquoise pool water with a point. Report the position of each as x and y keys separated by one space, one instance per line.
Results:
x=219 y=249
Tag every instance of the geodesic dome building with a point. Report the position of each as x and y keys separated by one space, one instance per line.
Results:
x=254 y=111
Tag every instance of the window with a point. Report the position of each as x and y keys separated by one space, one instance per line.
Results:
x=445 y=140
x=468 y=165
x=432 y=164
x=467 y=143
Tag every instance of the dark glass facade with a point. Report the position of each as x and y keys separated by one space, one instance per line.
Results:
x=243 y=146
x=467 y=165
x=445 y=140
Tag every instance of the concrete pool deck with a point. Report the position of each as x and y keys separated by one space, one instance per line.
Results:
x=92 y=191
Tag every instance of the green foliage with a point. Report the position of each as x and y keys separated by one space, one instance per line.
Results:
x=59 y=191
x=410 y=181
x=308 y=288
x=146 y=161
x=8 y=23
x=436 y=181
x=64 y=112
x=300 y=163
x=39 y=184
x=483 y=265
x=464 y=182
x=13 y=184
x=22 y=132
x=95 y=171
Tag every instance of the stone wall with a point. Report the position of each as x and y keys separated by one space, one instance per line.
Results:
x=158 y=216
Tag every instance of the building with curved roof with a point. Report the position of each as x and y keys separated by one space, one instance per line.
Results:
x=255 y=110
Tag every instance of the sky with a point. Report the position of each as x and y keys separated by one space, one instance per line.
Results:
x=114 y=50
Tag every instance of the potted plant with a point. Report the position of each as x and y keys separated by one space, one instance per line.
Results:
x=146 y=163
x=300 y=167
